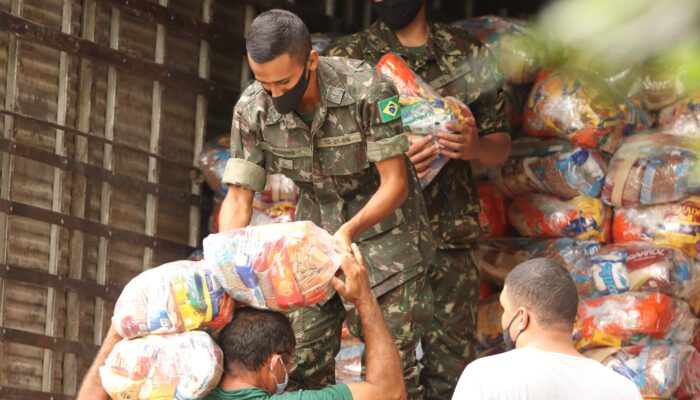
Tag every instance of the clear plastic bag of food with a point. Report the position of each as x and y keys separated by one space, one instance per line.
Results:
x=581 y=108
x=633 y=318
x=659 y=371
x=278 y=267
x=673 y=224
x=644 y=267
x=547 y=216
x=682 y=118
x=175 y=297
x=348 y=361
x=423 y=111
x=493 y=218
x=212 y=162
x=489 y=332
x=185 y=366
x=653 y=169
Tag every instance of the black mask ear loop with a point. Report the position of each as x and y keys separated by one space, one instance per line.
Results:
x=510 y=342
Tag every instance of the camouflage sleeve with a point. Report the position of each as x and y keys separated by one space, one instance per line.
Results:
x=381 y=119
x=246 y=167
x=489 y=108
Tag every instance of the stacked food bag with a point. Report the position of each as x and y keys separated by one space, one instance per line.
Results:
x=489 y=337
x=423 y=111
x=348 y=361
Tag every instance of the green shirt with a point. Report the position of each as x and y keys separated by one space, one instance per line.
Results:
x=335 y=392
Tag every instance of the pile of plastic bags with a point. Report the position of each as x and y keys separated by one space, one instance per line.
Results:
x=682 y=118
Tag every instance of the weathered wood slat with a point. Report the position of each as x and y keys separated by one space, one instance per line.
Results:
x=316 y=21
x=7 y=392
x=47 y=342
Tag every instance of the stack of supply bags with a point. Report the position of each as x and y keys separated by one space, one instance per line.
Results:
x=489 y=337
x=493 y=217
x=682 y=118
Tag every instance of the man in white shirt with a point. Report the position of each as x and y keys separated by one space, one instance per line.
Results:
x=539 y=300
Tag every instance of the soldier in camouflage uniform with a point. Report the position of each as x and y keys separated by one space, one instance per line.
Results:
x=455 y=64
x=347 y=157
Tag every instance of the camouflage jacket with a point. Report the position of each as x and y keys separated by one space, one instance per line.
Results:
x=455 y=64
x=332 y=163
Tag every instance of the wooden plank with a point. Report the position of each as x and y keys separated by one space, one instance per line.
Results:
x=87 y=226
x=316 y=21
x=219 y=36
x=245 y=68
x=47 y=342
x=30 y=31
x=7 y=392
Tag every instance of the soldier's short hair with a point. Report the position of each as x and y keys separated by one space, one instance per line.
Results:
x=275 y=32
x=547 y=289
x=253 y=336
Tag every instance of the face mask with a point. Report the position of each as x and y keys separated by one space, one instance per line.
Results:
x=289 y=101
x=280 y=386
x=396 y=14
x=510 y=342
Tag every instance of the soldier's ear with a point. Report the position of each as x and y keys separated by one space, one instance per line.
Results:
x=313 y=60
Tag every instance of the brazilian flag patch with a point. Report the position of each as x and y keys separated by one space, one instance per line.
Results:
x=389 y=109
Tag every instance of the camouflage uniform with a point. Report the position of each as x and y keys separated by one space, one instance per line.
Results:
x=332 y=163
x=458 y=65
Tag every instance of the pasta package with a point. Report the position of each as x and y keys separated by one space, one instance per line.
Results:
x=682 y=118
x=546 y=216
x=175 y=297
x=184 y=366
x=661 y=371
x=633 y=318
x=493 y=218
x=278 y=267
x=423 y=111
x=581 y=108
x=674 y=224
x=653 y=169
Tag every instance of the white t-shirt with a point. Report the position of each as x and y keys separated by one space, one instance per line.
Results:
x=529 y=374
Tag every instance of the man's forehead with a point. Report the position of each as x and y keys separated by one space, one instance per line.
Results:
x=279 y=68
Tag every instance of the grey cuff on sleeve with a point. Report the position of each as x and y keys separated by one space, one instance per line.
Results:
x=245 y=174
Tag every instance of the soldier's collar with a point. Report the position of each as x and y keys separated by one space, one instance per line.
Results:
x=382 y=40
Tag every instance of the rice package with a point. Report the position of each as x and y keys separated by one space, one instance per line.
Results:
x=547 y=216
x=175 y=297
x=673 y=224
x=493 y=218
x=184 y=366
x=633 y=318
x=565 y=174
x=581 y=108
x=682 y=118
x=653 y=169
x=661 y=371
x=423 y=111
x=644 y=267
x=279 y=267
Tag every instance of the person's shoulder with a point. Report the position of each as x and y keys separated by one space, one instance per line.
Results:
x=458 y=37
x=249 y=95
x=348 y=45
x=360 y=78
x=612 y=379
x=332 y=392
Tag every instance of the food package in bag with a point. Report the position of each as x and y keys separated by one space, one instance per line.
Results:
x=581 y=108
x=673 y=224
x=653 y=169
x=212 y=162
x=493 y=218
x=175 y=297
x=546 y=216
x=644 y=267
x=279 y=267
x=633 y=318
x=682 y=118
x=183 y=366
x=659 y=371
x=495 y=258
x=423 y=111
x=489 y=332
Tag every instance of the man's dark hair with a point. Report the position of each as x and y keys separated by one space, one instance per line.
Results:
x=545 y=287
x=275 y=32
x=253 y=336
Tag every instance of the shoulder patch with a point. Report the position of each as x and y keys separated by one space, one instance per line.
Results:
x=389 y=109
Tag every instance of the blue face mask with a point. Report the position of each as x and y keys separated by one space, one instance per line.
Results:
x=280 y=386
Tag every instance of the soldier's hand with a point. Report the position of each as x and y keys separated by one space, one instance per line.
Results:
x=422 y=153
x=464 y=145
x=356 y=288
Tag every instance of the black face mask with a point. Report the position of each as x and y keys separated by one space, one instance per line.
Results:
x=287 y=102
x=510 y=342
x=396 y=14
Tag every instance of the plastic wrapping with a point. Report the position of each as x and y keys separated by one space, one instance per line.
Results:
x=682 y=118
x=348 y=361
x=653 y=169
x=212 y=162
x=674 y=224
x=493 y=218
x=489 y=332
x=546 y=216
x=581 y=108
x=183 y=366
x=565 y=174
x=633 y=318
x=175 y=297
x=423 y=111
x=279 y=267
x=497 y=257
x=659 y=371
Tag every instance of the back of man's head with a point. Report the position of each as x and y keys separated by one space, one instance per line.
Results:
x=253 y=336
x=276 y=32
x=545 y=288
